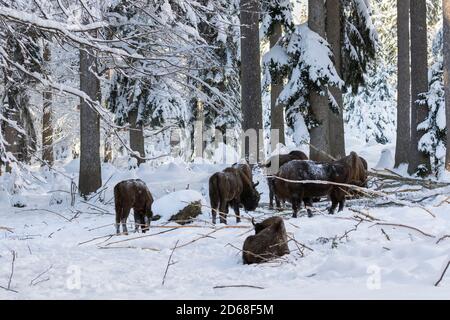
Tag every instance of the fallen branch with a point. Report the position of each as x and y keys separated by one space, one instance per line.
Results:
x=131 y=247
x=7 y=229
x=202 y=237
x=429 y=184
x=146 y=236
x=447 y=236
x=238 y=286
x=403 y=226
x=169 y=263
x=46 y=210
x=40 y=275
x=443 y=274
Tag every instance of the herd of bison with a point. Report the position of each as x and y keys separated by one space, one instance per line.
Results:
x=234 y=187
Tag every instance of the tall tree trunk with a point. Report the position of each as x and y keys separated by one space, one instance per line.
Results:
x=251 y=104
x=404 y=84
x=446 y=41
x=12 y=136
x=419 y=83
x=47 y=125
x=334 y=37
x=136 y=136
x=90 y=178
x=320 y=135
x=276 y=111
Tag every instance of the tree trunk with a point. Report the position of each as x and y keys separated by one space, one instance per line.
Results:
x=136 y=136
x=320 y=135
x=446 y=41
x=251 y=104
x=107 y=149
x=404 y=84
x=90 y=178
x=12 y=136
x=419 y=83
x=334 y=37
x=47 y=125
x=276 y=111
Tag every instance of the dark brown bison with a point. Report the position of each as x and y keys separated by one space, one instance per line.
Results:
x=359 y=169
x=232 y=187
x=270 y=241
x=273 y=165
x=301 y=170
x=133 y=194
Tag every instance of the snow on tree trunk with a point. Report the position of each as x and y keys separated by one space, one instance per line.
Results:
x=334 y=37
x=320 y=135
x=90 y=171
x=136 y=136
x=404 y=84
x=419 y=160
x=446 y=53
x=251 y=103
x=47 y=125
x=276 y=110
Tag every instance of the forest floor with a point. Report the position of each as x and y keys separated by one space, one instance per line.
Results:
x=372 y=250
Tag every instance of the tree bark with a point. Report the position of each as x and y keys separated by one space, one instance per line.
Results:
x=90 y=178
x=276 y=110
x=47 y=125
x=251 y=104
x=404 y=84
x=320 y=135
x=446 y=41
x=334 y=37
x=419 y=82
x=136 y=136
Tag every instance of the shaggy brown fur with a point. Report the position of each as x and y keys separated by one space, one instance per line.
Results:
x=298 y=170
x=270 y=241
x=273 y=166
x=133 y=194
x=231 y=187
x=359 y=169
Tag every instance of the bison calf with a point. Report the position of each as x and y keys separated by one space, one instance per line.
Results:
x=133 y=194
x=269 y=241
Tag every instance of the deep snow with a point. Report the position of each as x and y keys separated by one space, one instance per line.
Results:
x=365 y=264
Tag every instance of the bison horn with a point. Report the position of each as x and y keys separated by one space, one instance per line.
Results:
x=255 y=184
x=253 y=222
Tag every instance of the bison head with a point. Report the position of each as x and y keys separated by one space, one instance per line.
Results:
x=250 y=200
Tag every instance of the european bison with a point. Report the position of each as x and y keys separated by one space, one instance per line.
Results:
x=300 y=170
x=359 y=169
x=270 y=241
x=273 y=168
x=232 y=187
x=134 y=194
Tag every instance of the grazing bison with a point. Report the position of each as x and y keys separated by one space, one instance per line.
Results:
x=232 y=187
x=133 y=194
x=270 y=241
x=273 y=168
x=300 y=170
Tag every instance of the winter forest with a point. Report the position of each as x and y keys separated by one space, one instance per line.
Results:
x=224 y=149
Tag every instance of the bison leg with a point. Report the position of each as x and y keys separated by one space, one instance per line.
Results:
x=144 y=224
x=137 y=222
x=118 y=218
x=308 y=206
x=295 y=205
x=334 y=204
x=214 y=215
x=223 y=213
x=341 y=205
x=123 y=221
x=236 y=212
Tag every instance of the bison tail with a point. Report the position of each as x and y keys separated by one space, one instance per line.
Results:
x=214 y=193
x=118 y=204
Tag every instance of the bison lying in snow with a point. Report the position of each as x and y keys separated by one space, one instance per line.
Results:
x=299 y=170
x=270 y=241
x=232 y=187
x=273 y=164
x=133 y=194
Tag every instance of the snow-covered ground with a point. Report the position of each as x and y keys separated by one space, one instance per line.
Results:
x=71 y=253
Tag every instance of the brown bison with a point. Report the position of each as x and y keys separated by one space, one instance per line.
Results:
x=359 y=169
x=232 y=187
x=133 y=194
x=273 y=165
x=270 y=241
x=300 y=170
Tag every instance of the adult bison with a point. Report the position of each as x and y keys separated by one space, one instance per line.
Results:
x=270 y=241
x=232 y=187
x=303 y=170
x=133 y=194
x=359 y=169
x=273 y=165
